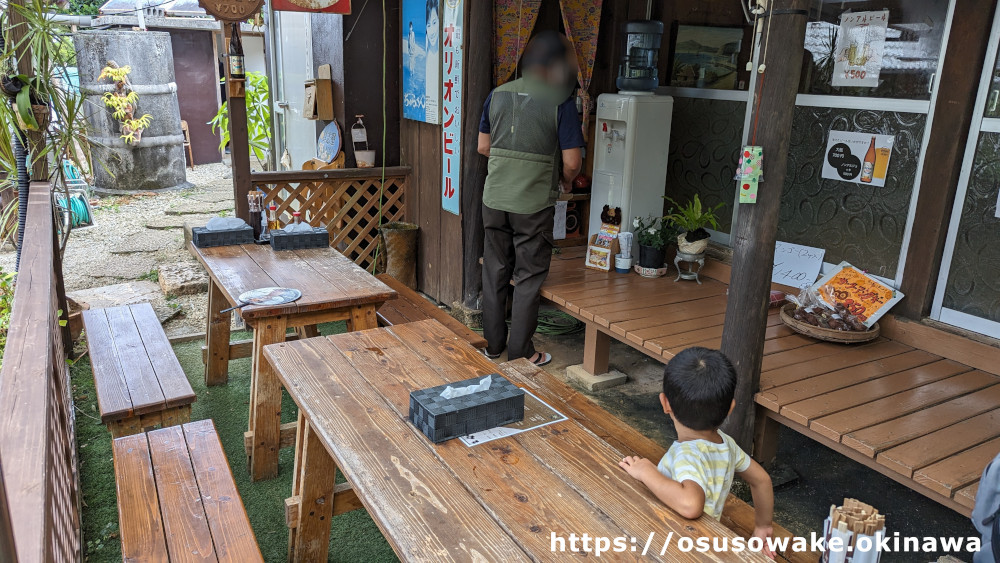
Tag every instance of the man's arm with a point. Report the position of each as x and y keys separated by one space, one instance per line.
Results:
x=484 y=144
x=763 y=500
x=686 y=498
x=572 y=160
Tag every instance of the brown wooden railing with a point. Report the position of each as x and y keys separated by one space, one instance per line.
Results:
x=37 y=444
x=347 y=201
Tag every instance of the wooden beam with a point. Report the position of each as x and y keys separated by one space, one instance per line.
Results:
x=279 y=176
x=7 y=550
x=757 y=225
x=344 y=500
x=478 y=82
x=239 y=139
x=956 y=100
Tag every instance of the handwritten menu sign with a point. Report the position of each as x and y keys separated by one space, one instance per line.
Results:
x=860 y=44
x=796 y=265
x=864 y=296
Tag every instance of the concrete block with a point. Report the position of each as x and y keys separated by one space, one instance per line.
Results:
x=590 y=382
x=184 y=278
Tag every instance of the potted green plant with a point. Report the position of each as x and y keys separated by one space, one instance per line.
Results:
x=258 y=119
x=652 y=234
x=690 y=221
x=30 y=105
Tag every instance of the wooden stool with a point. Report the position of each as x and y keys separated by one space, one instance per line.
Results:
x=140 y=383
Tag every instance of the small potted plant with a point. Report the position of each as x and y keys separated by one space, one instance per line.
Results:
x=31 y=108
x=652 y=234
x=691 y=220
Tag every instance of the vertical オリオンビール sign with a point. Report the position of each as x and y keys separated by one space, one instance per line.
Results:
x=451 y=104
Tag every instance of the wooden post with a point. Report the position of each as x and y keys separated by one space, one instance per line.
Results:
x=956 y=101
x=17 y=29
x=478 y=82
x=239 y=140
x=756 y=226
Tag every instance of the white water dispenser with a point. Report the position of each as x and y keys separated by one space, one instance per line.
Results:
x=631 y=146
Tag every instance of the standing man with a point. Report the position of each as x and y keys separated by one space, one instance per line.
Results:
x=531 y=133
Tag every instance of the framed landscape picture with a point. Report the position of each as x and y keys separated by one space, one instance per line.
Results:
x=705 y=56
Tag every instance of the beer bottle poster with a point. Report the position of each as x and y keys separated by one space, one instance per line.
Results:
x=862 y=158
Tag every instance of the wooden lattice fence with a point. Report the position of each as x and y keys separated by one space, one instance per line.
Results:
x=351 y=203
x=40 y=504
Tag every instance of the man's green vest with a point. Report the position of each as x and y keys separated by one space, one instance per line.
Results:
x=525 y=157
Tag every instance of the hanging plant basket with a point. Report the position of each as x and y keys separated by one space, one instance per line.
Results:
x=42 y=115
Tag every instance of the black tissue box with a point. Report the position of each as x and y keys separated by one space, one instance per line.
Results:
x=443 y=419
x=282 y=240
x=204 y=238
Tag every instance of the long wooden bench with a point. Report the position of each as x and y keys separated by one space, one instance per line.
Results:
x=177 y=500
x=409 y=307
x=140 y=384
x=738 y=516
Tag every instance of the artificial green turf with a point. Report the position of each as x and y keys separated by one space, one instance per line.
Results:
x=354 y=536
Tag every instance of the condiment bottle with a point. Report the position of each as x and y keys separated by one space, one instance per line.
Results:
x=272 y=218
x=297 y=217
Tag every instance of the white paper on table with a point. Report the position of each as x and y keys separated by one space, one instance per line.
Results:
x=559 y=224
x=553 y=415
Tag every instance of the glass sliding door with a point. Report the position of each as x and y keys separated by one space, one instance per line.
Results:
x=968 y=290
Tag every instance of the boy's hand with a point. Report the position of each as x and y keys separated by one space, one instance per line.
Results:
x=637 y=466
x=764 y=532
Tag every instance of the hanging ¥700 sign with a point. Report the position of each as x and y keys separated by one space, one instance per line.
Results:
x=231 y=10
x=451 y=105
x=860 y=46
x=324 y=6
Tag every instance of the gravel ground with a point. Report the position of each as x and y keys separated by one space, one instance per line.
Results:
x=121 y=248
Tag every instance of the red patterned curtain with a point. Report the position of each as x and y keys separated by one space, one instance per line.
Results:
x=514 y=20
x=582 y=20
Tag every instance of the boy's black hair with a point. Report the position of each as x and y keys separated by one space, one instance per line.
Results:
x=700 y=384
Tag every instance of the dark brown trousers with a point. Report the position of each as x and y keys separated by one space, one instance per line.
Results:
x=518 y=247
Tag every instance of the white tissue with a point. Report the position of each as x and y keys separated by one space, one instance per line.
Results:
x=224 y=223
x=483 y=385
x=298 y=228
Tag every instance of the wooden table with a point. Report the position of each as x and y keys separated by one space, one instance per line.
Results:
x=333 y=288
x=501 y=500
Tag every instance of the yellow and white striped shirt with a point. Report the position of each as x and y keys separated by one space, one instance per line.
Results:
x=708 y=464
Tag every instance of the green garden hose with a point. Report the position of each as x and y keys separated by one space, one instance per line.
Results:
x=79 y=212
x=556 y=323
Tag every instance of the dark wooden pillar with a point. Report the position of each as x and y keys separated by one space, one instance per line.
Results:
x=239 y=139
x=756 y=226
x=956 y=100
x=478 y=82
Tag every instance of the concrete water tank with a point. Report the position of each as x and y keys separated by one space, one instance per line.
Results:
x=157 y=161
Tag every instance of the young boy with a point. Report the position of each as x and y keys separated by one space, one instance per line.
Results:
x=696 y=473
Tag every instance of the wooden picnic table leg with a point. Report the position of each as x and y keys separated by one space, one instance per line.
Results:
x=313 y=484
x=596 y=349
x=265 y=401
x=362 y=318
x=217 y=337
x=308 y=331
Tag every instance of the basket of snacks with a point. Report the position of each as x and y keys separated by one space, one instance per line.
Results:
x=831 y=325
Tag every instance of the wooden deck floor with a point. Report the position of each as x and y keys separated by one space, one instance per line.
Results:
x=920 y=405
